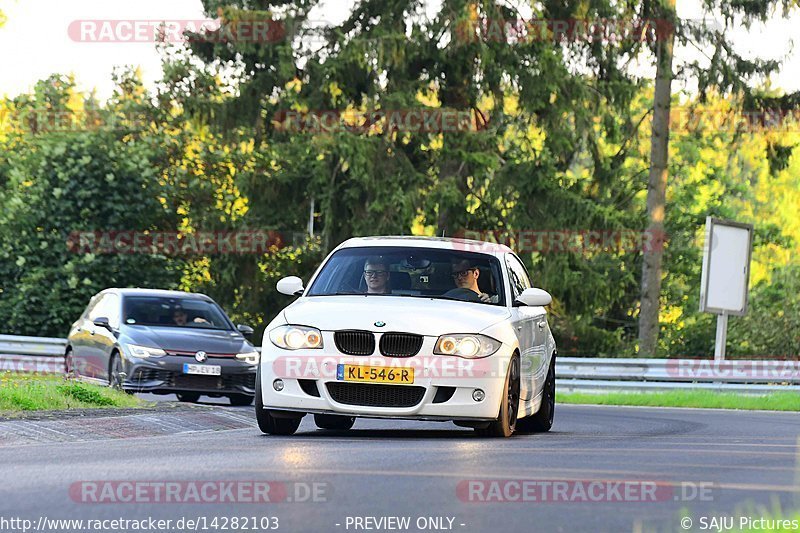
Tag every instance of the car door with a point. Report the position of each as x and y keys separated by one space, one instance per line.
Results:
x=104 y=339
x=80 y=339
x=530 y=327
x=96 y=361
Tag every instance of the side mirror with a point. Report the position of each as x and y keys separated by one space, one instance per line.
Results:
x=244 y=330
x=102 y=322
x=533 y=297
x=291 y=286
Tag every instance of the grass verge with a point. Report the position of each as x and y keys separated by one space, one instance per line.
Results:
x=779 y=401
x=26 y=392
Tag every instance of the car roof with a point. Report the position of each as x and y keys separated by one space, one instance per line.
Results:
x=443 y=243
x=163 y=293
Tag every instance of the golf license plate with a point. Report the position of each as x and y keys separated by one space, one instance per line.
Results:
x=203 y=370
x=375 y=374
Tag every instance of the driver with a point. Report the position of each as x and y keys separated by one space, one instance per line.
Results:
x=181 y=318
x=376 y=274
x=465 y=276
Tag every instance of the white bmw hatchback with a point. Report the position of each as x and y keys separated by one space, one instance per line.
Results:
x=411 y=328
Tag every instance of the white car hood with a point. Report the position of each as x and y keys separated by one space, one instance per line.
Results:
x=423 y=316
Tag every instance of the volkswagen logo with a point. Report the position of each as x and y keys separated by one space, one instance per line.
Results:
x=380 y=324
x=201 y=357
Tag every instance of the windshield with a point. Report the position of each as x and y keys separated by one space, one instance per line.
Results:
x=173 y=312
x=412 y=272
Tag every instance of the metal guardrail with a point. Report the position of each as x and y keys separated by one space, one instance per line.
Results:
x=594 y=374
x=32 y=354
x=574 y=374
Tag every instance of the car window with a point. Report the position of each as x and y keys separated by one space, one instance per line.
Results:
x=517 y=276
x=111 y=309
x=412 y=272
x=92 y=304
x=101 y=308
x=174 y=312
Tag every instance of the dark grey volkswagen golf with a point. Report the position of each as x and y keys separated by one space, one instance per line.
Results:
x=163 y=342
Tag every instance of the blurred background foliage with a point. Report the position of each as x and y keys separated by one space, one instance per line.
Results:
x=561 y=141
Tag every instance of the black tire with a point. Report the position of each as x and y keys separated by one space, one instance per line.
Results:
x=69 y=364
x=188 y=397
x=337 y=422
x=542 y=420
x=506 y=423
x=240 y=400
x=115 y=368
x=267 y=423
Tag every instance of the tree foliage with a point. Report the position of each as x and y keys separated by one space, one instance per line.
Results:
x=559 y=140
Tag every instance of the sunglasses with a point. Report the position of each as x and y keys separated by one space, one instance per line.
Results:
x=374 y=273
x=462 y=273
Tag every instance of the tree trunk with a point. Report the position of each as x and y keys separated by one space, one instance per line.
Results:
x=657 y=186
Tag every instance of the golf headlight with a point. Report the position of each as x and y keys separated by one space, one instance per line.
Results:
x=296 y=337
x=468 y=346
x=251 y=356
x=143 y=352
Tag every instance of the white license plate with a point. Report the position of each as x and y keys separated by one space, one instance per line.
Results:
x=204 y=370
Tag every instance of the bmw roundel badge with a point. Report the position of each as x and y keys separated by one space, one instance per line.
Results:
x=380 y=324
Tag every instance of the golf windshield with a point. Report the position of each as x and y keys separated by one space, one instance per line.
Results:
x=412 y=272
x=173 y=312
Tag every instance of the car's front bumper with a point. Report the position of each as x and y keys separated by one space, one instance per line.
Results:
x=165 y=374
x=445 y=384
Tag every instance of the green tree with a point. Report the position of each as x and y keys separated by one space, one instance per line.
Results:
x=727 y=72
x=64 y=182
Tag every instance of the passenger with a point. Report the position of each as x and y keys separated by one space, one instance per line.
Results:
x=376 y=274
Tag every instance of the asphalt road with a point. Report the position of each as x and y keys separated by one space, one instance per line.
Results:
x=705 y=463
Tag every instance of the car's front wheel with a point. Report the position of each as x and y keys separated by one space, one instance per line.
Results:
x=269 y=424
x=506 y=423
x=116 y=373
x=69 y=364
x=240 y=400
x=334 y=421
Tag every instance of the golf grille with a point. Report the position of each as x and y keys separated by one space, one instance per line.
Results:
x=355 y=342
x=376 y=395
x=400 y=344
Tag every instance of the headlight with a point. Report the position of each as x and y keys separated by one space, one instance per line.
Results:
x=144 y=352
x=251 y=357
x=296 y=337
x=468 y=346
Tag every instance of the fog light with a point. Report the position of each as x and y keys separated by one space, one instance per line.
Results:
x=478 y=395
x=277 y=385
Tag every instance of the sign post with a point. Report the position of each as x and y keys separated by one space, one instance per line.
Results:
x=722 y=336
x=726 y=274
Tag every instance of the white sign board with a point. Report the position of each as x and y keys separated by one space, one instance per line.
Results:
x=726 y=267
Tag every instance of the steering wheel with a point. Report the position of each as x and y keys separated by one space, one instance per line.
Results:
x=460 y=293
